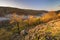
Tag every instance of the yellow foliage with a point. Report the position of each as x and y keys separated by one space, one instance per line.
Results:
x=15 y=18
x=58 y=15
x=48 y=16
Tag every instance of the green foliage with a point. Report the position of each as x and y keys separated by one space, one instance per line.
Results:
x=4 y=35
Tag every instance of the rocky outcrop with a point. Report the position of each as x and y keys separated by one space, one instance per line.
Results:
x=46 y=31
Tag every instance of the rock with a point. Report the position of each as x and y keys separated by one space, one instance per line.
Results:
x=23 y=32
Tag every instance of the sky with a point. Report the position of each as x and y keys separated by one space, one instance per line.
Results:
x=32 y=4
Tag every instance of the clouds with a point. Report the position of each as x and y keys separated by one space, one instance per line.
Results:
x=5 y=3
x=32 y=4
x=10 y=3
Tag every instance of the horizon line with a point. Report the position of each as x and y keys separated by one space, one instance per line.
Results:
x=27 y=8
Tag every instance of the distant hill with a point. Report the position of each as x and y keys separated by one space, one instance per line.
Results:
x=10 y=10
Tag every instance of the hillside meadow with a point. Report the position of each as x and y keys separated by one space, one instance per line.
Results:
x=21 y=24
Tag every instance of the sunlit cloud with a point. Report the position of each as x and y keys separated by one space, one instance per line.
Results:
x=12 y=4
x=27 y=5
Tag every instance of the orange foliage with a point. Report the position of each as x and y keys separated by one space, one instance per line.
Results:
x=32 y=19
x=48 y=16
x=15 y=18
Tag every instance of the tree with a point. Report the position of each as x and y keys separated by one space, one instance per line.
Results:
x=17 y=20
